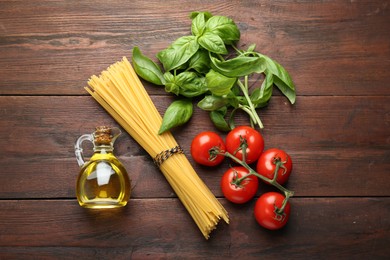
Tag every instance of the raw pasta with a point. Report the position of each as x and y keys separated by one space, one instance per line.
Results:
x=119 y=90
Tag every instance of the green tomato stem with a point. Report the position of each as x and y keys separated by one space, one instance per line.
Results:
x=279 y=164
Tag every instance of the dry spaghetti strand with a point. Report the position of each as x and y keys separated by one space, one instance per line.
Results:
x=120 y=92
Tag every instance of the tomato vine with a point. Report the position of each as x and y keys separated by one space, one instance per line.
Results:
x=287 y=193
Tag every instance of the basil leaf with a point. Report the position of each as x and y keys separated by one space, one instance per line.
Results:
x=218 y=119
x=213 y=43
x=235 y=90
x=219 y=84
x=198 y=24
x=287 y=89
x=207 y=15
x=224 y=27
x=178 y=113
x=238 y=66
x=170 y=83
x=146 y=68
x=200 y=61
x=190 y=85
x=235 y=99
x=211 y=102
x=251 y=47
x=261 y=96
x=281 y=78
x=178 y=53
x=187 y=84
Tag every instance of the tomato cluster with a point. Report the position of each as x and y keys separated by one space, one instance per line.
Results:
x=239 y=184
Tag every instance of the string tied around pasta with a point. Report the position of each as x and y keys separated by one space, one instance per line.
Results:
x=119 y=91
x=164 y=155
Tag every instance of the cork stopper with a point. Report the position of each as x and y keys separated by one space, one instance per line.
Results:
x=103 y=135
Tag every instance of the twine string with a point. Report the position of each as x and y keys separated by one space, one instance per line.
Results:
x=164 y=155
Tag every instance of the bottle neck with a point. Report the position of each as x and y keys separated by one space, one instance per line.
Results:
x=103 y=148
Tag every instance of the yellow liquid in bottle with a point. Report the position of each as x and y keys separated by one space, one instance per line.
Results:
x=103 y=183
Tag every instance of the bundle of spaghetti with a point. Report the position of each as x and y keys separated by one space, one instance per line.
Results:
x=121 y=93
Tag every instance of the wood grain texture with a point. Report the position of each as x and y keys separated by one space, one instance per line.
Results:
x=168 y=231
x=53 y=47
x=337 y=133
x=330 y=157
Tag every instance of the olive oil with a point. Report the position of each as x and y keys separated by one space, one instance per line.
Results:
x=103 y=182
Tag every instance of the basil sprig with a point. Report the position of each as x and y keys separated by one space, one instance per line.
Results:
x=200 y=66
x=177 y=113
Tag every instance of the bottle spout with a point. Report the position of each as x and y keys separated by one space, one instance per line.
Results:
x=115 y=133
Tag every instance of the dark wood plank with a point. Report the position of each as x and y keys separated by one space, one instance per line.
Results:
x=57 y=227
x=339 y=145
x=337 y=133
x=329 y=47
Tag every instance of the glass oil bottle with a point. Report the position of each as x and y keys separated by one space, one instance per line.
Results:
x=103 y=181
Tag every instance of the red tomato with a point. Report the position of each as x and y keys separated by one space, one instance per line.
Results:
x=266 y=165
x=253 y=139
x=201 y=145
x=265 y=211
x=243 y=192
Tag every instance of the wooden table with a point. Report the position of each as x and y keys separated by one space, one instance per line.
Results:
x=338 y=53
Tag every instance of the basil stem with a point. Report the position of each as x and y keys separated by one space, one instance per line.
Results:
x=200 y=65
x=252 y=110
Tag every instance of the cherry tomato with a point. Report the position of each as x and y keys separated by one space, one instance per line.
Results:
x=254 y=140
x=267 y=163
x=201 y=145
x=265 y=211
x=244 y=191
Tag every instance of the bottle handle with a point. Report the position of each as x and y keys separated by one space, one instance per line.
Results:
x=79 y=150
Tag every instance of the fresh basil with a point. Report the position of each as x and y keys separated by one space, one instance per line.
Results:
x=146 y=68
x=191 y=85
x=200 y=62
x=187 y=84
x=281 y=79
x=219 y=84
x=170 y=84
x=198 y=24
x=218 y=119
x=208 y=66
x=213 y=43
x=207 y=15
x=235 y=100
x=178 y=53
x=261 y=96
x=251 y=48
x=238 y=66
x=178 y=113
x=224 y=27
x=212 y=102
